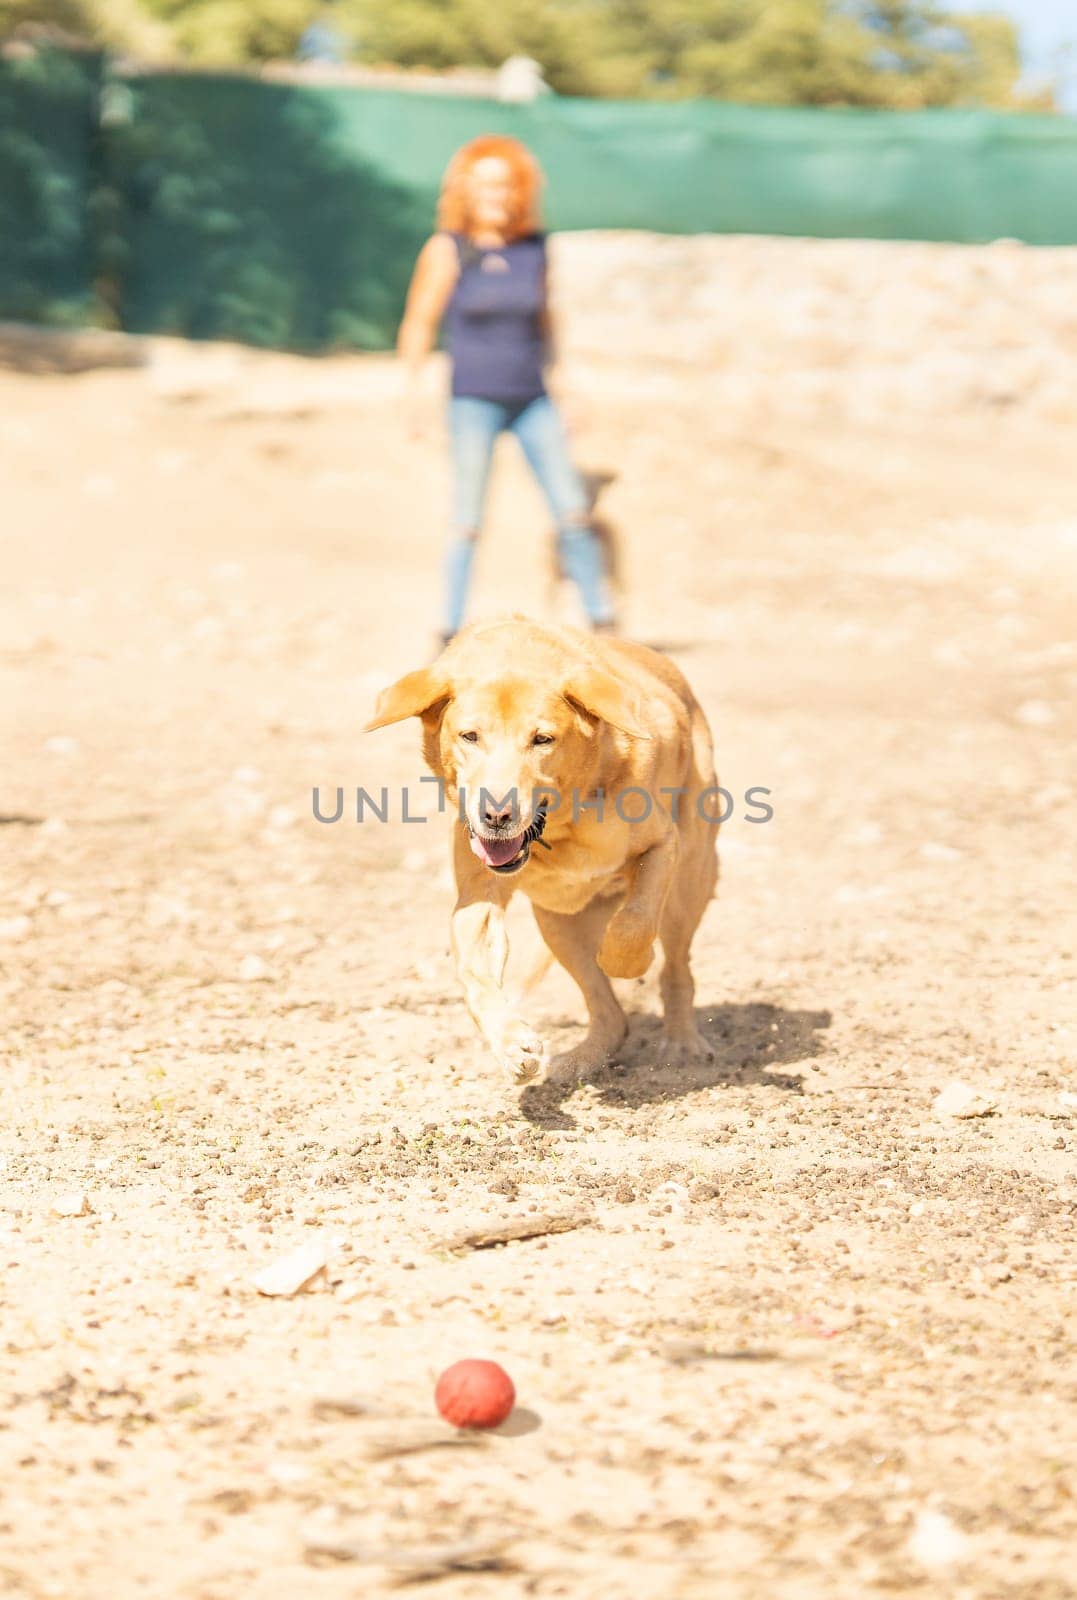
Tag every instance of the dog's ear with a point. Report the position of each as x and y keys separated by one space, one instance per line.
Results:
x=416 y=694
x=601 y=695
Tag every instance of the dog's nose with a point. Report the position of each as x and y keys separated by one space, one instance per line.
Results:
x=494 y=814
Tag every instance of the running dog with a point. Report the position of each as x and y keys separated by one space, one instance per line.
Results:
x=583 y=774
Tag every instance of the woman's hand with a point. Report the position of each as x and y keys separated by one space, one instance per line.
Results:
x=416 y=414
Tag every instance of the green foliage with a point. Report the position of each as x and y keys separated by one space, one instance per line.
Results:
x=224 y=32
x=120 y=25
x=894 y=53
x=903 y=54
x=923 y=56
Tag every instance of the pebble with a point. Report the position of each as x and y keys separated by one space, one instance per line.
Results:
x=962 y=1100
x=935 y=1540
x=1035 y=714
x=252 y=969
x=61 y=744
x=295 y=1271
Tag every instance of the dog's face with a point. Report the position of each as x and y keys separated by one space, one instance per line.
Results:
x=512 y=751
x=513 y=747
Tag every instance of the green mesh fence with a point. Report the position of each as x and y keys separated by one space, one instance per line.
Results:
x=48 y=135
x=230 y=207
x=288 y=215
x=254 y=211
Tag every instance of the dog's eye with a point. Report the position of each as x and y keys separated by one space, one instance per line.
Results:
x=542 y=738
x=470 y=737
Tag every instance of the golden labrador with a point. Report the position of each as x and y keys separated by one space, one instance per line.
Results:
x=583 y=774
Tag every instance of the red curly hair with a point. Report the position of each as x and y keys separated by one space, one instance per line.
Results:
x=527 y=180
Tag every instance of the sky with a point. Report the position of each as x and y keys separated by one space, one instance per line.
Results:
x=1044 y=25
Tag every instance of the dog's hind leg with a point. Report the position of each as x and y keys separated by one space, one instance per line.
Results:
x=574 y=940
x=693 y=886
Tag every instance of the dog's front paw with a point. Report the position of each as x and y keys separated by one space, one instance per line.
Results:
x=627 y=948
x=521 y=1052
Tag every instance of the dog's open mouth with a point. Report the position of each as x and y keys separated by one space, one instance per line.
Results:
x=509 y=855
x=502 y=855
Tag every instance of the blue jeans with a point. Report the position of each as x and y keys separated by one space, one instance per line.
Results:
x=474 y=427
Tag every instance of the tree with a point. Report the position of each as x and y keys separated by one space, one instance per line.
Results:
x=121 y=25
x=921 y=55
x=897 y=53
x=225 y=32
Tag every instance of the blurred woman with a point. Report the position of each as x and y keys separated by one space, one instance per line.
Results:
x=485 y=273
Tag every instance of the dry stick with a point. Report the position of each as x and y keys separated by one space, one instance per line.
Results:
x=416 y=1562
x=682 y=1351
x=484 y=1238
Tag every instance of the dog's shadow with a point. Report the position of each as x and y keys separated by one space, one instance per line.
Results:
x=748 y=1042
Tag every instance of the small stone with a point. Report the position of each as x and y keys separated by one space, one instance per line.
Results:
x=962 y=1100
x=931 y=850
x=682 y=1351
x=295 y=1271
x=935 y=1541
x=1035 y=714
x=252 y=969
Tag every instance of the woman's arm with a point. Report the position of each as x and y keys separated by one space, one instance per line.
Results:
x=432 y=284
x=546 y=320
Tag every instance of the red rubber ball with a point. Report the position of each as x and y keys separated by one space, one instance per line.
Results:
x=475 y=1394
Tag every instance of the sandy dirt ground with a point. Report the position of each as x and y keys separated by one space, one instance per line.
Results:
x=812 y=1336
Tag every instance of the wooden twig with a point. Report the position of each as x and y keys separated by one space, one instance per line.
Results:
x=415 y=1563
x=522 y=1227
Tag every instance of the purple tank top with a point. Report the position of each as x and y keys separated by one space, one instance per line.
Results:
x=493 y=321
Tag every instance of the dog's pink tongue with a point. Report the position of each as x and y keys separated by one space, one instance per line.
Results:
x=497 y=852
